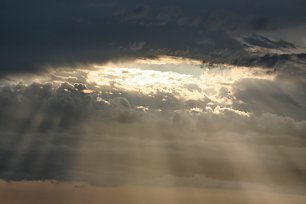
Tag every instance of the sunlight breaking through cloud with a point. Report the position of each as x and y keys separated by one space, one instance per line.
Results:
x=194 y=81
x=129 y=101
x=164 y=123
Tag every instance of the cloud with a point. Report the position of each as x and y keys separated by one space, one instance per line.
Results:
x=137 y=46
x=258 y=96
x=98 y=126
x=37 y=35
x=201 y=94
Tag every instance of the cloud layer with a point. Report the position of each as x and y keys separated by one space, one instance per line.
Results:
x=153 y=123
x=37 y=34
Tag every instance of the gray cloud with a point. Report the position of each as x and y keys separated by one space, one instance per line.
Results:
x=270 y=97
x=107 y=137
x=37 y=34
x=203 y=128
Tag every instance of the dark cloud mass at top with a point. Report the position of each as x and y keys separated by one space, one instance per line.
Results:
x=36 y=34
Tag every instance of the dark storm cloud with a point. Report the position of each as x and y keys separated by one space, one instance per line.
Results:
x=35 y=34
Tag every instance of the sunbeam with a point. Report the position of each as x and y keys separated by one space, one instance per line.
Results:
x=165 y=126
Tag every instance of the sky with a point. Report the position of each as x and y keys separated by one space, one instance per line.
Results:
x=180 y=100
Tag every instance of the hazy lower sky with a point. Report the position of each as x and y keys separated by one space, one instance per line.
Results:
x=142 y=101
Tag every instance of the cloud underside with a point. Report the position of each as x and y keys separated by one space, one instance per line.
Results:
x=155 y=124
x=37 y=35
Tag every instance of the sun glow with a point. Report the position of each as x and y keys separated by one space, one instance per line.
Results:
x=186 y=79
x=164 y=77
